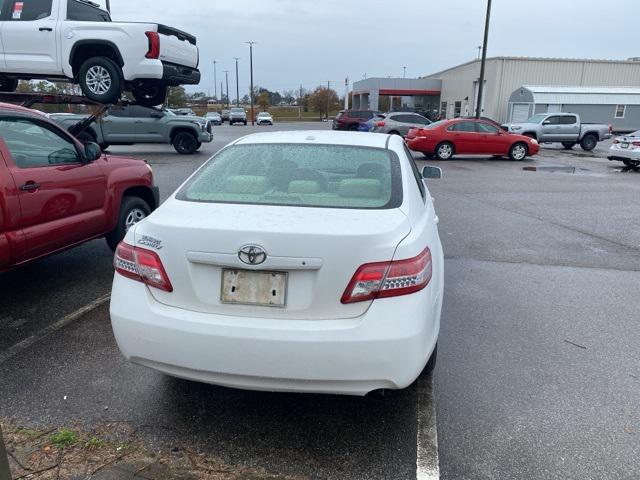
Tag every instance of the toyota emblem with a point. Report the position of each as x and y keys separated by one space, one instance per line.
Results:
x=252 y=255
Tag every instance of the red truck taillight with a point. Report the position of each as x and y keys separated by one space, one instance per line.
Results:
x=389 y=279
x=142 y=265
x=154 y=45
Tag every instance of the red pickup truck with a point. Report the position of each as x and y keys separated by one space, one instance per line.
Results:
x=56 y=193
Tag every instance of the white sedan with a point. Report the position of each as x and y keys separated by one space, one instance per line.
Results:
x=626 y=149
x=264 y=118
x=290 y=261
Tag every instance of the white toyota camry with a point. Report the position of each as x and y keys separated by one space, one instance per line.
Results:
x=290 y=261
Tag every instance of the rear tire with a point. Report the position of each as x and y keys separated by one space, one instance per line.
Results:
x=588 y=143
x=444 y=151
x=86 y=137
x=518 y=151
x=132 y=211
x=568 y=145
x=185 y=143
x=8 y=84
x=150 y=95
x=100 y=79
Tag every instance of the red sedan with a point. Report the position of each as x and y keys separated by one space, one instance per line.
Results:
x=464 y=136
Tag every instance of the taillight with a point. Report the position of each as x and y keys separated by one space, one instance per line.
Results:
x=635 y=144
x=389 y=279
x=154 y=45
x=380 y=124
x=142 y=265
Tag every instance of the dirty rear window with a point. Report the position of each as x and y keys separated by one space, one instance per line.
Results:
x=330 y=176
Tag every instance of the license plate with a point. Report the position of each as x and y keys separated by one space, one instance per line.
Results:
x=245 y=287
x=624 y=145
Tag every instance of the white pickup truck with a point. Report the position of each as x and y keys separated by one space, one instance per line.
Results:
x=76 y=41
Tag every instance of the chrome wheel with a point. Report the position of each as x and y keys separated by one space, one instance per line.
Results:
x=134 y=216
x=445 y=151
x=519 y=152
x=98 y=80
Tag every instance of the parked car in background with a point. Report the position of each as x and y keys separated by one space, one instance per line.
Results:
x=319 y=239
x=237 y=115
x=351 y=119
x=187 y=112
x=105 y=58
x=225 y=115
x=564 y=128
x=463 y=136
x=264 y=118
x=214 y=118
x=131 y=124
x=368 y=125
x=399 y=123
x=56 y=193
x=626 y=149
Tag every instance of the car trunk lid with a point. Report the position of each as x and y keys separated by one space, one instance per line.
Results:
x=318 y=250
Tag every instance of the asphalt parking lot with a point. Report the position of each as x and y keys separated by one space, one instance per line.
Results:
x=538 y=373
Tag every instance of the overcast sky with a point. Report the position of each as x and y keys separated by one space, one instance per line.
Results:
x=311 y=41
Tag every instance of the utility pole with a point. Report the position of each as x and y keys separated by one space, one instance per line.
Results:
x=221 y=93
x=484 y=61
x=479 y=51
x=346 y=93
x=215 y=81
x=5 y=472
x=226 y=74
x=300 y=104
x=328 y=98
x=237 y=83
x=404 y=72
x=251 y=44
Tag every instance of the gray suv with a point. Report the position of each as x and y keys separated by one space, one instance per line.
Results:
x=237 y=115
x=131 y=124
x=399 y=123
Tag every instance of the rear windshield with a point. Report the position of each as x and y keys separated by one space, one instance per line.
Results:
x=322 y=176
x=237 y=110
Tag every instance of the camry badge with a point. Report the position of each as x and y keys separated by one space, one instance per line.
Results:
x=252 y=255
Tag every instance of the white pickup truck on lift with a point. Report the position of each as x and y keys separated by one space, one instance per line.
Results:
x=76 y=41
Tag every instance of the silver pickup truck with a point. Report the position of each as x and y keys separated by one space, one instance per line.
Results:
x=131 y=124
x=564 y=128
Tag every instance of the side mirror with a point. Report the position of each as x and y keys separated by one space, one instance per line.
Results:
x=546 y=122
x=432 y=172
x=156 y=115
x=92 y=151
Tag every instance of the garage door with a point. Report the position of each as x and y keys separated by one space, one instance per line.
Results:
x=519 y=112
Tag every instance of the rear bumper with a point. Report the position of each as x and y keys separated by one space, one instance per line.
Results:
x=380 y=349
x=175 y=75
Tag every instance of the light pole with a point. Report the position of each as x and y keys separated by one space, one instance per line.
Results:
x=237 y=83
x=226 y=74
x=484 y=61
x=215 y=81
x=328 y=98
x=251 y=44
x=404 y=72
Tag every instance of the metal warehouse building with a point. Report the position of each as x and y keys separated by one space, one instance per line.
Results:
x=617 y=106
x=505 y=75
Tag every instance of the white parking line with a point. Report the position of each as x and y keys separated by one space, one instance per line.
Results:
x=64 y=321
x=427 y=463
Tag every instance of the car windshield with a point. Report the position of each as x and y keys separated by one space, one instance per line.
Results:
x=237 y=110
x=264 y=114
x=331 y=176
x=537 y=118
x=634 y=134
